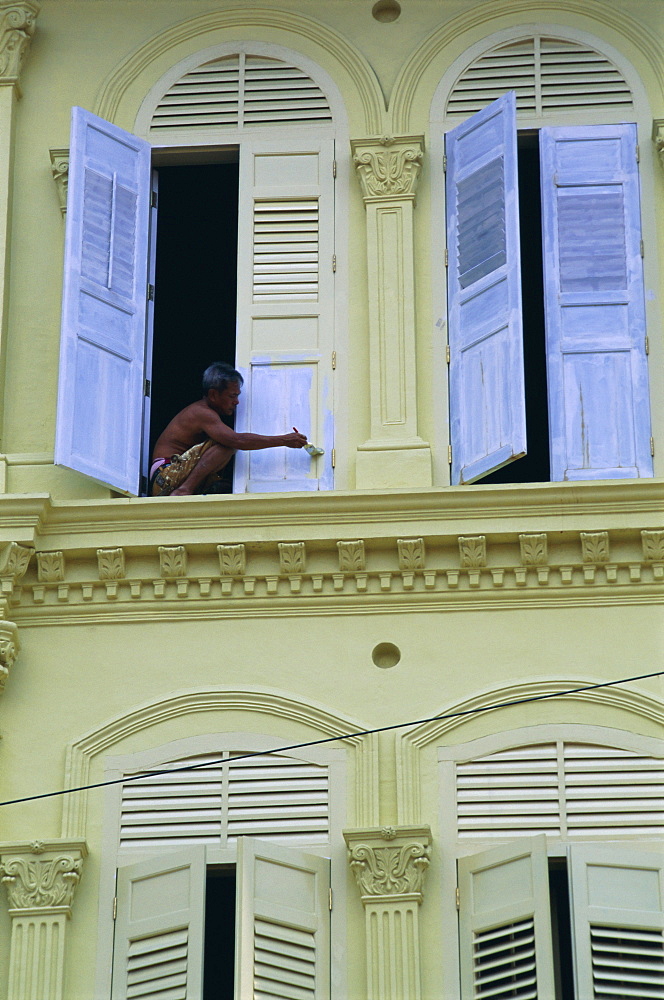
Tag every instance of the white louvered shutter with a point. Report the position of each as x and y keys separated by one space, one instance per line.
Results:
x=282 y=923
x=505 y=924
x=102 y=353
x=618 y=922
x=487 y=394
x=286 y=310
x=599 y=413
x=159 y=929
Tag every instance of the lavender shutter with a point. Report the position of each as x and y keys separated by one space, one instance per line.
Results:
x=102 y=354
x=487 y=398
x=599 y=415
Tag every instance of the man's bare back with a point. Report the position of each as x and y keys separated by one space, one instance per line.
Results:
x=201 y=421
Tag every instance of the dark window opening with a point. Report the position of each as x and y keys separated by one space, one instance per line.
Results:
x=534 y=466
x=195 y=283
x=561 y=930
x=219 y=949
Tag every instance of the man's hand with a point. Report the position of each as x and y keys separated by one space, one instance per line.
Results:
x=295 y=440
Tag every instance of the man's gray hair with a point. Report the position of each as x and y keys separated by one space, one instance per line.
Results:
x=218 y=376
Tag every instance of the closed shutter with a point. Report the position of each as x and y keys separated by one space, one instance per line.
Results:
x=286 y=310
x=618 y=923
x=282 y=923
x=102 y=354
x=505 y=924
x=487 y=396
x=158 y=950
x=599 y=415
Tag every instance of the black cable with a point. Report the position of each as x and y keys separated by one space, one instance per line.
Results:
x=333 y=739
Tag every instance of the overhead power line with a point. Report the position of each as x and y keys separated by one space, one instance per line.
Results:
x=334 y=739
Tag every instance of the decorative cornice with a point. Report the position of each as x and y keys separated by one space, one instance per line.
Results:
x=388 y=168
x=60 y=171
x=18 y=21
x=42 y=875
x=389 y=862
x=658 y=138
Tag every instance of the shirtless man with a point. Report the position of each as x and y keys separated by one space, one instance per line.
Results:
x=197 y=443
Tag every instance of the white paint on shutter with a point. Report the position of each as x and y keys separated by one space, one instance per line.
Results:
x=241 y=91
x=158 y=949
x=282 y=923
x=549 y=75
x=505 y=924
x=617 y=897
x=561 y=789
x=272 y=796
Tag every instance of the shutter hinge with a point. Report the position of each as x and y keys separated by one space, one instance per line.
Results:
x=652 y=446
x=447 y=256
x=444 y=163
x=447 y=353
x=647 y=346
x=147 y=388
x=115 y=907
x=334 y=458
x=153 y=199
x=334 y=360
x=458 y=898
x=638 y=153
x=330 y=898
x=150 y=293
x=334 y=168
x=449 y=454
x=334 y=263
x=641 y=248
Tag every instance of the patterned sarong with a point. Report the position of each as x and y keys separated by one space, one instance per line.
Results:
x=172 y=474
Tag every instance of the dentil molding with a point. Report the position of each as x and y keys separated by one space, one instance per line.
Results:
x=42 y=875
x=389 y=861
x=388 y=167
x=18 y=21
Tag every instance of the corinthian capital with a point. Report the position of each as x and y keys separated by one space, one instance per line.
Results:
x=389 y=861
x=388 y=167
x=658 y=138
x=18 y=21
x=41 y=875
x=9 y=647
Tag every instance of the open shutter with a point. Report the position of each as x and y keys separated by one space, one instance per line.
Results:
x=505 y=923
x=599 y=416
x=159 y=929
x=102 y=353
x=487 y=395
x=618 y=922
x=286 y=310
x=282 y=923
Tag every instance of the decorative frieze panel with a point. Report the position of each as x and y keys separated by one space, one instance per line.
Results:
x=111 y=564
x=18 y=22
x=50 y=567
x=352 y=558
x=292 y=558
x=172 y=561
x=232 y=560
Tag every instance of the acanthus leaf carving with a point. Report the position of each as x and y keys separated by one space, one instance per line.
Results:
x=14 y=560
x=111 y=563
x=43 y=883
x=534 y=549
x=411 y=554
x=18 y=21
x=352 y=558
x=60 y=171
x=472 y=551
x=50 y=567
x=172 y=561
x=232 y=560
x=658 y=138
x=388 y=871
x=9 y=647
x=292 y=558
x=595 y=546
x=389 y=166
x=653 y=545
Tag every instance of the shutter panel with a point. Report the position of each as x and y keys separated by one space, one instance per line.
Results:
x=159 y=929
x=102 y=354
x=618 y=922
x=282 y=923
x=278 y=797
x=487 y=396
x=594 y=301
x=286 y=310
x=505 y=923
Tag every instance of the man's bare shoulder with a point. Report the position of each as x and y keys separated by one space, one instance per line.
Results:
x=187 y=428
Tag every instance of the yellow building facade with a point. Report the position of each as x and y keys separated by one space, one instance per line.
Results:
x=385 y=722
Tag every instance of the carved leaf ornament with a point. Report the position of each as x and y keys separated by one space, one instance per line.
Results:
x=41 y=883
x=385 y=871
